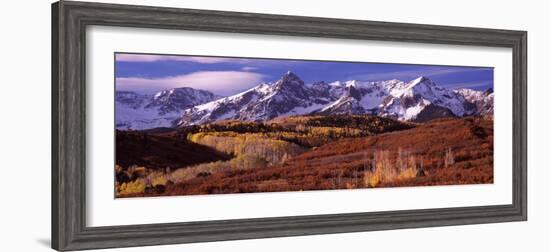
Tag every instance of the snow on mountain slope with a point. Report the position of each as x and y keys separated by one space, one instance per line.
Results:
x=178 y=99
x=361 y=97
x=138 y=111
x=290 y=96
x=287 y=96
x=406 y=102
x=418 y=100
x=482 y=100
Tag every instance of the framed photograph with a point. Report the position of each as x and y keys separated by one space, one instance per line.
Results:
x=178 y=125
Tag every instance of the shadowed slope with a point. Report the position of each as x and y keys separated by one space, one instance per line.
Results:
x=159 y=152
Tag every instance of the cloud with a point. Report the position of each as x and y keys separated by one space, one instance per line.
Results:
x=411 y=74
x=482 y=84
x=218 y=82
x=249 y=68
x=129 y=57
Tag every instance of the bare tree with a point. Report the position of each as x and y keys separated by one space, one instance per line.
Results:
x=365 y=162
x=449 y=158
x=373 y=162
x=399 y=161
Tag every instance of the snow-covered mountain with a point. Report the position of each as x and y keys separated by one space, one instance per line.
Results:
x=482 y=100
x=418 y=100
x=287 y=96
x=410 y=102
x=139 y=111
x=355 y=97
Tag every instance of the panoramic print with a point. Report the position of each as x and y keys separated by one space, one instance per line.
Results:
x=195 y=125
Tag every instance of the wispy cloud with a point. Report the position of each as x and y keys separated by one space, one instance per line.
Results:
x=411 y=74
x=249 y=64
x=219 y=82
x=481 y=84
x=129 y=57
x=249 y=68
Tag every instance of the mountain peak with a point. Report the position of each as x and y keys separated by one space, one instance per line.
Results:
x=289 y=75
x=289 y=79
x=181 y=93
x=421 y=79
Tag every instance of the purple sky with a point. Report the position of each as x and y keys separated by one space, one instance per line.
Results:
x=148 y=73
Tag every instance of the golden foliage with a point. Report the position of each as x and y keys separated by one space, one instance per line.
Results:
x=273 y=151
x=132 y=187
x=387 y=171
x=408 y=173
x=241 y=162
x=159 y=180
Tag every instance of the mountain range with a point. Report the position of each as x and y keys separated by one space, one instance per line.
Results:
x=418 y=100
x=141 y=111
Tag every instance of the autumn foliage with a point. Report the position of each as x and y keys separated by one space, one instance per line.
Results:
x=315 y=153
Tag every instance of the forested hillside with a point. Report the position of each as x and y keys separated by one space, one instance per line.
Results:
x=306 y=153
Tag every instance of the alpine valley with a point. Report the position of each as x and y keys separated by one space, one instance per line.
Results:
x=419 y=100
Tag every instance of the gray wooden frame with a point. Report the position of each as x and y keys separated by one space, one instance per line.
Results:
x=69 y=21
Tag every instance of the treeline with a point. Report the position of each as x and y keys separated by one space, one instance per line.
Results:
x=232 y=126
x=367 y=123
x=315 y=136
x=305 y=131
x=273 y=151
x=303 y=124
